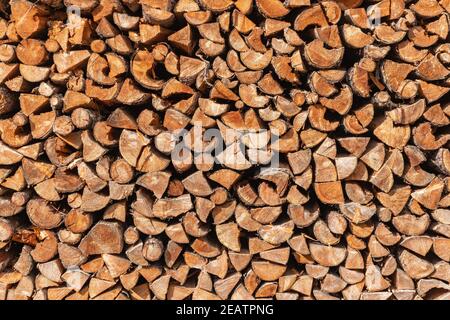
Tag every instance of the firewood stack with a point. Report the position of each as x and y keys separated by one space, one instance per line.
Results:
x=97 y=200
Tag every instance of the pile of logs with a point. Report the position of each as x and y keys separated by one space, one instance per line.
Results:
x=99 y=201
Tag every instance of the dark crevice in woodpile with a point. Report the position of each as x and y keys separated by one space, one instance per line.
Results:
x=224 y=149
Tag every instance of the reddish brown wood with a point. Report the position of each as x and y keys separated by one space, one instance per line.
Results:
x=219 y=149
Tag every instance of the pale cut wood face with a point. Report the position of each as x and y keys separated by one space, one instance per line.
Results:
x=224 y=150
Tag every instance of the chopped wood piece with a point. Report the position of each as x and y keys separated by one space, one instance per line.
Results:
x=228 y=235
x=165 y=208
x=393 y=136
x=414 y=266
x=429 y=196
x=327 y=256
x=411 y=225
x=104 y=237
x=268 y=271
x=329 y=192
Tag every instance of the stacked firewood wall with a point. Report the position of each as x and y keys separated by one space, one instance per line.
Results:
x=224 y=149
